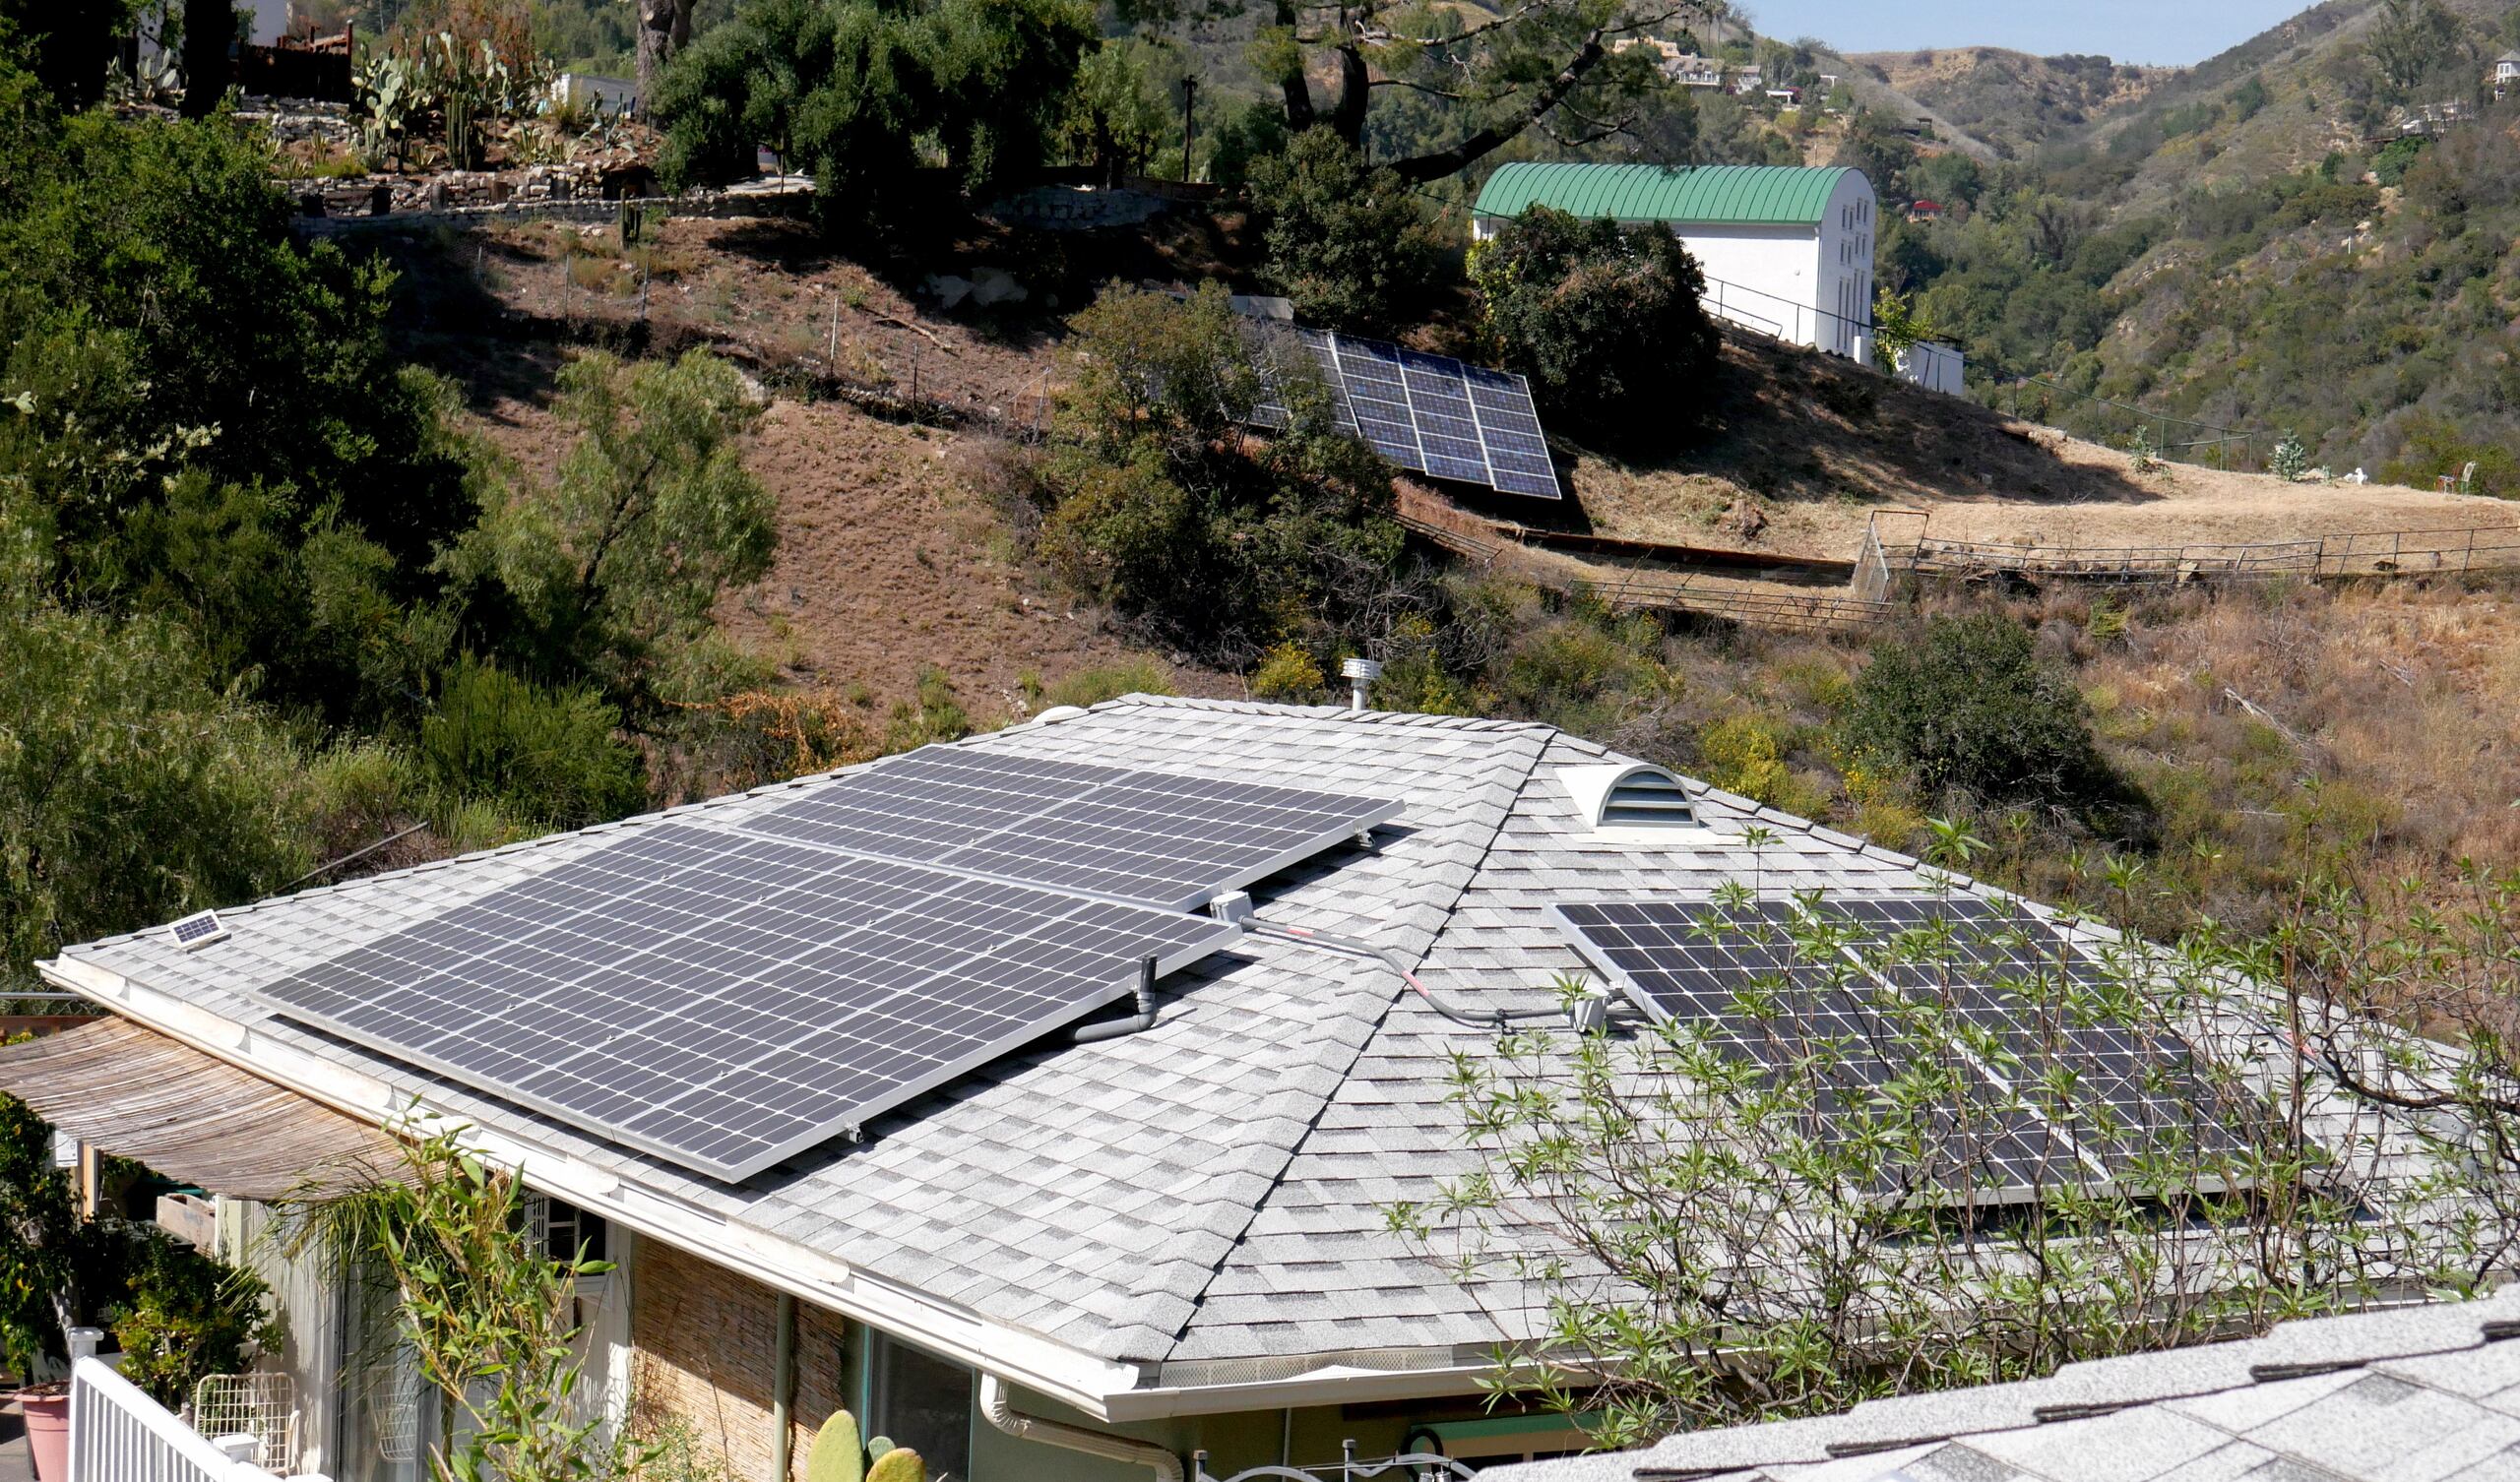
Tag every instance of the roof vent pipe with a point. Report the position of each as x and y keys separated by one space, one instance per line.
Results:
x=1358 y=673
x=1144 y=1018
x=1014 y=1422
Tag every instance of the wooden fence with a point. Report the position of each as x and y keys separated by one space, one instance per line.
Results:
x=2378 y=553
x=1692 y=595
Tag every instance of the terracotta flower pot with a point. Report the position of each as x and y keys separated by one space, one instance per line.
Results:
x=47 y=1415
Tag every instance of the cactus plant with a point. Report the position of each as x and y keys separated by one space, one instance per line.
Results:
x=838 y=1456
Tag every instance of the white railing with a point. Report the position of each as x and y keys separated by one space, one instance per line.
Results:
x=117 y=1434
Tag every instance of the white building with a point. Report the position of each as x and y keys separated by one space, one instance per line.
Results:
x=1787 y=251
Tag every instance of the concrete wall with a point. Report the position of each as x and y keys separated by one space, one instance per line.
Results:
x=1935 y=367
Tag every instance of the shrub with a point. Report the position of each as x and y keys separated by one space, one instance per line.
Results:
x=1090 y=687
x=1350 y=244
x=546 y=756
x=1968 y=706
x=1605 y=320
x=2290 y=459
x=188 y=1316
x=1289 y=672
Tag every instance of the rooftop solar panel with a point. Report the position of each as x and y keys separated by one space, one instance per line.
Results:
x=1432 y=413
x=1702 y=963
x=724 y=1000
x=1152 y=838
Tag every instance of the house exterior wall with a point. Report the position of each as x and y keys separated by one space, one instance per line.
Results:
x=707 y=1342
x=309 y=1307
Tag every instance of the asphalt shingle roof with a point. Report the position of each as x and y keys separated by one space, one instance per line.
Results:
x=1204 y=1198
x=2415 y=1394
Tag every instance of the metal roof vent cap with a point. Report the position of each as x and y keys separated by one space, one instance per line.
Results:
x=1358 y=673
x=1058 y=713
x=1630 y=796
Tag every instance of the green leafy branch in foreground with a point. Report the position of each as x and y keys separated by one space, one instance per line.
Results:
x=2016 y=1156
x=487 y=1313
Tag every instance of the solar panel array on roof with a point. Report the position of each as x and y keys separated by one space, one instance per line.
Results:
x=1431 y=413
x=1700 y=962
x=726 y=996
x=1157 y=840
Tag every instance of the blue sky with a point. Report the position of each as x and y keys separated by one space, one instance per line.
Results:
x=2168 y=31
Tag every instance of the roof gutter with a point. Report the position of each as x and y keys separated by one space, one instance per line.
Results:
x=1002 y=1414
x=1064 y=1374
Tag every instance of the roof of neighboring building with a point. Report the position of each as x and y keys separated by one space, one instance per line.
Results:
x=2413 y=1395
x=1712 y=195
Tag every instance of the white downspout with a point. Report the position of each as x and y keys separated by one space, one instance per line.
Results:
x=1014 y=1422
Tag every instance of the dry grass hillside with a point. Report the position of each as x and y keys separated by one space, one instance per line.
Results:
x=1804 y=448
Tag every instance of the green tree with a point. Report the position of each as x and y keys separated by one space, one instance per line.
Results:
x=1162 y=506
x=1605 y=320
x=132 y=787
x=1350 y=244
x=67 y=48
x=1968 y=705
x=857 y=91
x=2412 y=41
x=1551 y=67
x=1115 y=118
x=614 y=571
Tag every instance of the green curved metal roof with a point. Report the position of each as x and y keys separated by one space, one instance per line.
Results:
x=1740 y=195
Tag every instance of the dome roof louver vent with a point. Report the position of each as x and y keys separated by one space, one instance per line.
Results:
x=1632 y=796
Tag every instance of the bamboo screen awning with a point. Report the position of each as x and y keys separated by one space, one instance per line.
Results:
x=134 y=1092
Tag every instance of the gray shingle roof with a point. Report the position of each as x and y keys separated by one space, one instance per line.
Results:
x=1205 y=1197
x=2415 y=1394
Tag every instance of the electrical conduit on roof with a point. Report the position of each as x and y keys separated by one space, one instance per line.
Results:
x=1002 y=1414
x=1484 y=1018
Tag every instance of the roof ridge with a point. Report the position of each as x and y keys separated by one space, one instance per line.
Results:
x=1374 y=1031
x=1345 y=714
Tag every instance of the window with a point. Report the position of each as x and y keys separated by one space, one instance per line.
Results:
x=923 y=1403
x=562 y=1228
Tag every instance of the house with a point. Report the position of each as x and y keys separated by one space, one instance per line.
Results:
x=1748 y=80
x=1688 y=68
x=2506 y=70
x=1082 y=1255
x=1787 y=251
x=1924 y=210
x=1785 y=96
x=2426 y=1392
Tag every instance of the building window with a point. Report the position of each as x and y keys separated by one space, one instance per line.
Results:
x=561 y=1228
x=923 y=1403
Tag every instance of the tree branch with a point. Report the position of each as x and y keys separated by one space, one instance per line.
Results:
x=1439 y=163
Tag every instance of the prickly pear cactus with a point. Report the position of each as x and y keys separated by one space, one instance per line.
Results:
x=899 y=1464
x=836 y=1455
x=876 y=1449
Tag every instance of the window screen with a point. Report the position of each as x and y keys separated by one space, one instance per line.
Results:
x=925 y=1404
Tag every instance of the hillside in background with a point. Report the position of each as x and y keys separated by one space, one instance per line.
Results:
x=2011 y=100
x=2256 y=248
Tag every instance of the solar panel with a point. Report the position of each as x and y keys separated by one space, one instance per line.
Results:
x=724 y=1000
x=1702 y=963
x=199 y=930
x=1152 y=838
x=1432 y=413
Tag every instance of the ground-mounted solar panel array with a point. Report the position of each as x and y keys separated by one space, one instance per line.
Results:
x=726 y=996
x=1431 y=413
x=1742 y=972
